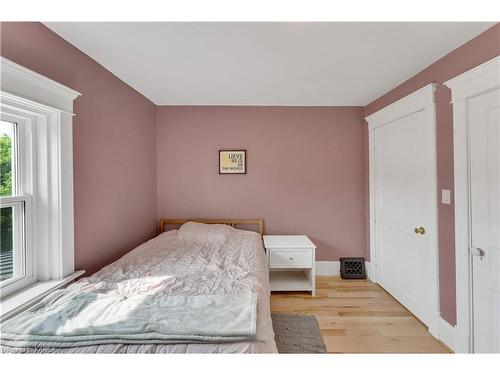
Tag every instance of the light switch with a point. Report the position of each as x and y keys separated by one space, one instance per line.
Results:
x=445 y=196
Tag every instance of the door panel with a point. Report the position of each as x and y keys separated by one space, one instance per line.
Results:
x=484 y=128
x=405 y=196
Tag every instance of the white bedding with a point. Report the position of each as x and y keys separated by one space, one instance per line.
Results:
x=172 y=265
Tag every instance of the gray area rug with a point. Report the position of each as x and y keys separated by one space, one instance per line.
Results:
x=297 y=334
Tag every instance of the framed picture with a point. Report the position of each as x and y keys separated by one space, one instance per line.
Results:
x=232 y=161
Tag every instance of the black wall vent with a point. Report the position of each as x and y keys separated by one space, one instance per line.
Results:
x=352 y=268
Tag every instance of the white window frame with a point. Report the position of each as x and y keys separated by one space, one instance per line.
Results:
x=43 y=109
x=474 y=82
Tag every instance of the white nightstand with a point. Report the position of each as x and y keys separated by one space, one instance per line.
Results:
x=291 y=263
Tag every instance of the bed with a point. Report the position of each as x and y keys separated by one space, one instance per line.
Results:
x=219 y=261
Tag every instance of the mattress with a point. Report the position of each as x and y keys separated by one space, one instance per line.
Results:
x=168 y=265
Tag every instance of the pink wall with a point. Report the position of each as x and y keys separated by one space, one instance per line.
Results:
x=307 y=166
x=114 y=145
x=477 y=51
x=306 y=170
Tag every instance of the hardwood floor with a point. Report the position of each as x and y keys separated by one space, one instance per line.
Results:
x=358 y=316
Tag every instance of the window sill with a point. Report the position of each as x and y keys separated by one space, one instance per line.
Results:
x=15 y=303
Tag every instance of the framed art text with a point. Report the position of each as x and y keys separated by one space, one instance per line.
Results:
x=232 y=161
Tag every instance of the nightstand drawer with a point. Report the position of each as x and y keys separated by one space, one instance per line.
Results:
x=290 y=258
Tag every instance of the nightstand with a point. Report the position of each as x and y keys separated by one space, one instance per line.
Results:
x=291 y=263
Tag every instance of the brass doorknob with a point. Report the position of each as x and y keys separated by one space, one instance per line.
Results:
x=420 y=230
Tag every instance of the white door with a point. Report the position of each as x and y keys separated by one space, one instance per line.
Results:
x=484 y=128
x=405 y=212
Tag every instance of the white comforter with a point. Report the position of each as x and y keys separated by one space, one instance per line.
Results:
x=170 y=265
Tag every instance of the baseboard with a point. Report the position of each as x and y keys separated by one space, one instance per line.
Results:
x=332 y=268
x=327 y=268
x=447 y=334
x=367 y=267
x=462 y=341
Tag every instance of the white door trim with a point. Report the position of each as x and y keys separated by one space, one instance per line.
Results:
x=420 y=100
x=477 y=81
x=415 y=102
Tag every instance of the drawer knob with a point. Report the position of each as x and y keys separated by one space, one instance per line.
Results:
x=292 y=258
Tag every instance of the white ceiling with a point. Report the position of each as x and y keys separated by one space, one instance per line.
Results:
x=287 y=63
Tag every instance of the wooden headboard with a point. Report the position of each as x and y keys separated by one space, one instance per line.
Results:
x=231 y=222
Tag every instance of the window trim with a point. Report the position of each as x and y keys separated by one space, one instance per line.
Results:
x=46 y=108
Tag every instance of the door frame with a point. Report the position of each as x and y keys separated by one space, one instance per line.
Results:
x=422 y=100
x=474 y=82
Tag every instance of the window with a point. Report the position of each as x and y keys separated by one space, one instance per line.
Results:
x=16 y=257
x=7 y=168
x=36 y=202
x=13 y=209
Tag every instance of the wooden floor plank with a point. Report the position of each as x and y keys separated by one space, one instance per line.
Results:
x=358 y=316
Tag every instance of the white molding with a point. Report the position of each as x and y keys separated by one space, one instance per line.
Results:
x=332 y=268
x=368 y=270
x=447 y=333
x=419 y=101
x=45 y=108
x=51 y=185
x=476 y=81
x=327 y=268
x=25 y=83
x=415 y=102
x=372 y=217
x=462 y=257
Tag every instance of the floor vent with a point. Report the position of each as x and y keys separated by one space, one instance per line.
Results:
x=352 y=268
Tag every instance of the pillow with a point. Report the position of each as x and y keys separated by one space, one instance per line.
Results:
x=204 y=233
